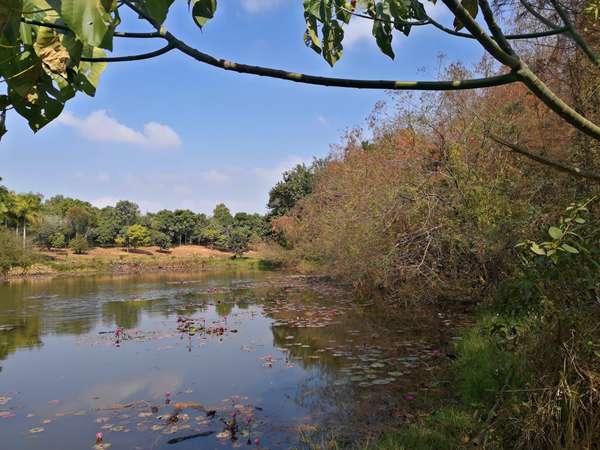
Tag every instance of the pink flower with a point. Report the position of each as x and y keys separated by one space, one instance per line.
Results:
x=409 y=397
x=99 y=437
x=436 y=352
x=257 y=441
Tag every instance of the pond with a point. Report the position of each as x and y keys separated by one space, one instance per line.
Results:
x=209 y=360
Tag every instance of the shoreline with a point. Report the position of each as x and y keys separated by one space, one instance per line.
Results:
x=170 y=264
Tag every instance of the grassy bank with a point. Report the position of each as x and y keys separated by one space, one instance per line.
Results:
x=147 y=259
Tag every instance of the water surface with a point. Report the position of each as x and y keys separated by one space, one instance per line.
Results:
x=205 y=361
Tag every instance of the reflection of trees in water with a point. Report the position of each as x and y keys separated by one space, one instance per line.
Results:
x=25 y=334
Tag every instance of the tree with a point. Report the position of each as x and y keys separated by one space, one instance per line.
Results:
x=51 y=52
x=296 y=184
x=27 y=208
x=222 y=215
x=161 y=240
x=79 y=219
x=184 y=222
x=46 y=232
x=138 y=236
x=79 y=245
x=237 y=240
x=126 y=213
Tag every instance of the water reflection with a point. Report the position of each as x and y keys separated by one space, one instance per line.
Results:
x=302 y=355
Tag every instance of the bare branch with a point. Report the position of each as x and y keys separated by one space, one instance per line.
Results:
x=149 y=55
x=522 y=36
x=561 y=167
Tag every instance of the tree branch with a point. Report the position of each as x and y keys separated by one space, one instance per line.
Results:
x=537 y=15
x=323 y=81
x=548 y=162
x=489 y=44
x=66 y=29
x=574 y=34
x=149 y=55
x=494 y=28
x=533 y=35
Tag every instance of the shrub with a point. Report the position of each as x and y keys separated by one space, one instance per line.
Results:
x=79 y=245
x=12 y=253
x=57 y=240
x=161 y=240
x=138 y=236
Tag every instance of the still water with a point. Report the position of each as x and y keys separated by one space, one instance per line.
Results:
x=206 y=361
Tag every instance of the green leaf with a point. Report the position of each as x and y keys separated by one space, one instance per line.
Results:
x=42 y=105
x=88 y=74
x=10 y=20
x=472 y=8
x=537 y=249
x=555 y=233
x=382 y=30
x=311 y=37
x=333 y=34
x=20 y=70
x=580 y=220
x=158 y=9
x=569 y=248
x=90 y=22
x=203 y=11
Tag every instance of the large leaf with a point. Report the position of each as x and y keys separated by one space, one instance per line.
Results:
x=203 y=11
x=472 y=8
x=90 y=22
x=333 y=34
x=21 y=70
x=10 y=19
x=311 y=36
x=382 y=30
x=88 y=74
x=43 y=104
x=158 y=9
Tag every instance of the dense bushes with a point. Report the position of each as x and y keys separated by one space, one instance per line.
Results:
x=12 y=253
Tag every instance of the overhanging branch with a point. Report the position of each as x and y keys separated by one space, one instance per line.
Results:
x=142 y=56
x=449 y=85
x=561 y=167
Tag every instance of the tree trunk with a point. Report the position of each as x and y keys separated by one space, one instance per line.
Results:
x=24 y=232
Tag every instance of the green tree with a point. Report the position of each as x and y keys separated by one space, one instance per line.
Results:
x=79 y=219
x=79 y=245
x=222 y=215
x=58 y=240
x=237 y=240
x=126 y=213
x=161 y=240
x=138 y=236
x=27 y=209
x=296 y=184
x=12 y=254
x=46 y=232
x=184 y=223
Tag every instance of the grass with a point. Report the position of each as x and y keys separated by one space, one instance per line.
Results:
x=180 y=259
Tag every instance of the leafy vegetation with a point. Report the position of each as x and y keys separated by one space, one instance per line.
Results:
x=61 y=222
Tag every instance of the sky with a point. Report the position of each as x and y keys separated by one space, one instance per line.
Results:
x=173 y=133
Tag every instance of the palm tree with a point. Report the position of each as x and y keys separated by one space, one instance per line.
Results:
x=27 y=210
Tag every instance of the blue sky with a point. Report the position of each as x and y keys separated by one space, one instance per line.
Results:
x=173 y=133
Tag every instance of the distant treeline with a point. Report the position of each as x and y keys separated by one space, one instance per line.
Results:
x=61 y=221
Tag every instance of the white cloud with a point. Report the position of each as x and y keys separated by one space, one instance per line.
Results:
x=215 y=176
x=255 y=6
x=99 y=126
